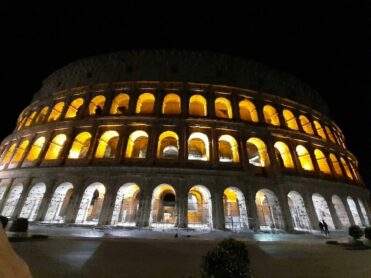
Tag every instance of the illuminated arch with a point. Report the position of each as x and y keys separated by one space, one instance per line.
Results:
x=107 y=144
x=55 y=147
x=336 y=165
x=57 y=209
x=322 y=210
x=120 y=104
x=306 y=125
x=171 y=105
x=145 y=104
x=298 y=211
x=322 y=162
x=228 y=149
x=96 y=105
x=284 y=154
x=199 y=207
x=80 y=146
x=257 y=152
x=32 y=204
x=271 y=115
x=248 y=111
x=223 y=108
x=364 y=213
x=9 y=154
x=268 y=210
x=290 y=119
x=354 y=211
x=137 y=145
x=12 y=200
x=353 y=169
x=20 y=151
x=41 y=117
x=346 y=168
x=320 y=130
x=168 y=145
x=329 y=134
x=35 y=150
x=197 y=106
x=56 y=112
x=198 y=146
x=74 y=108
x=163 y=206
x=30 y=119
x=304 y=158
x=235 y=213
x=340 y=211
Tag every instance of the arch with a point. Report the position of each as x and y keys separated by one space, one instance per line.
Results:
x=257 y=152
x=120 y=104
x=31 y=206
x=3 y=188
x=363 y=211
x=248 y=111
x=96 y=105
x=30 y=119
x=228 y=149
x=12 y=200
x=55 y=147
x=290 y=119
x=126 y=205
x=168 y=145
x=36 y=148
x=199 y=207
x=353 y=169
x=223 y=108
x=145 y=104
x=107 y=144
x=137 y=145
x=322 y=210
x=80 y=146
x=18 y=155
x=322 y=162
x=304 y=158
x=336 y=165
x=271 y=115
x=91 y=204
x=306 y=125
x=74 y=108
x=56 y=112
x=197 y=106
x=57 y=209
x=298 y=211
x=41 y=117
x=171 y=105
x=198 y=147
x=354 y=211
x=9 y=154
x=269 y=210
x=320 y=130
x=340 y=211
x=329 y=134
x=163 y=206
x=283 y=154
x=235 y=213
x=346 y=168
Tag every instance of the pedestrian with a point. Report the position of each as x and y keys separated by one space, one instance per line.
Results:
x=320 y=226
x=325 y=227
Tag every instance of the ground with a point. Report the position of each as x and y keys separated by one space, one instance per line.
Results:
x=83 y=252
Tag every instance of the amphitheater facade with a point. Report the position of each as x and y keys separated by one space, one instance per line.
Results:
x=167 y=139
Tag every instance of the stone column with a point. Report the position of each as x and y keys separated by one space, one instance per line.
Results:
x=252 y=212
x=108 y=206
x=144 y=210
x=360 y=212
x=333 y=213
x=182 y=209
x=48 y=195
x=349 y=212
x=6 y=194
x=218 y=210
x=311 y=211
x=26 y=189
x=287 y=218
x=74 y=203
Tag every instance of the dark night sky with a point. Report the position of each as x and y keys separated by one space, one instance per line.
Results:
x=326 y=46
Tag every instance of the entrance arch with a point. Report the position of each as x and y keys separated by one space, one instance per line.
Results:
x=235 y=213
x=163 y=207
x=58 y=205
x=12 y=200
x=199 y=207
x=33 y=202
x=322 y=210
x=298 y=211
x=91 y=204
x=354 y=211
x=340 y=211
x=126 y=205
x=269 y=210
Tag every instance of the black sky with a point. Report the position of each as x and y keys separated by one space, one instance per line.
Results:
x=326 y=46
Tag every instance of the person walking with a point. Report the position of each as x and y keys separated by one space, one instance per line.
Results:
x=325 y=227
x=320 y=226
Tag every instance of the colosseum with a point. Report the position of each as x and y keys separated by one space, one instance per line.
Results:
x=165 y=138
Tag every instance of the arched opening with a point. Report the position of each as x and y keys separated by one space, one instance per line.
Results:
x=304 y=158
x=9 y=154
x=346 y=168
x=199 y=207
x=96 y=105
x=340 y=211
x=171 y=105
x=91 y=204
x=228 y=149
x=290 y=119
x=107 y=145
x=235 y=213
x=137 y=145
x=74 y=108
x=56 y=147
x=353 y=169
x=145 y=104
x=271 y=115
x=56 y=112
x=41 y=117
x=322 y=210
x=120 y=104
x=3 y=188
x=283 y=155
x=354 y=211
x=269 y=210
x=168 y=145
x=198 y=147
x=20 y=151
x=320 y=130
x=35 y=150
x=126 y=205
x=364 y=213
x=12 y=200
x=257 y=152
x=329 y=134
x=197 y=106
x=223 y=108
x=248 y=111
x=30 y=119
x=306 y=125
x=336 y=165
x=57 y=209
x=163 y=209
x=322 y=162
x=298 y=211
x=80 y=146
x=33 y=202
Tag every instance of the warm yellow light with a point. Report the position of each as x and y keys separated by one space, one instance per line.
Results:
x=35 y=150
x=30 y=119
x=230 y=194
x=290 y=119
x=41 y=117
x=304 y=158
x=20 y=151
x=248 y=111
x=107 y=144
x=171 y=105
x=80 y=145
x=257 y=152
x=320 y=130
x=9 y=154
x=285 y=154
x=336 y=165
x=96 y=104
x=223 y=108
x=168 y=145
x=197 y=106
x=271 y=115
x=145 y=104
x=346 y=168
x=228 y=149
x=137 y=145
x=322 y=162
x=56 y=112
x=120 y=104
x=329 y=133
x=198 y=146
x=305 y=123
x=74 y=108
x=55 y=147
